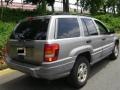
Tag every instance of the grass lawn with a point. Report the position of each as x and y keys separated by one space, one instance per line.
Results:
x=2 y=64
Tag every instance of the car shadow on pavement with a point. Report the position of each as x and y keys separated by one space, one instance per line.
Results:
x=29 y=83
x=99 y=66
x=26 y=82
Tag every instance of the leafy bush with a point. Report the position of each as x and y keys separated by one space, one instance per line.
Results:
x=3 y=65
x=5 y=31
x=14 y=15
x=112 y=22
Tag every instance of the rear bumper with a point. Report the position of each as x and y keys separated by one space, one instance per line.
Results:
x=48 y=71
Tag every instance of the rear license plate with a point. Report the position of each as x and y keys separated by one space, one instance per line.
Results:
x=21 y=51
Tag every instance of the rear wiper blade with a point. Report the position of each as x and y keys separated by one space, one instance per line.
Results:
x=19 y=36
x=27 y=39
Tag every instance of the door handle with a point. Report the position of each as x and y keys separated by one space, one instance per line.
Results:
x=104 y=39
x=88 y=41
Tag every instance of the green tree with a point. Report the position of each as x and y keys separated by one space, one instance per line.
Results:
x=2 y=9
x=112 y=4
x=118 y=7
x=51 y=3
x=42 y=3
x=65 y=5
x=32 y=1
x=104 y=5
x=92 y=5
x=8 y=1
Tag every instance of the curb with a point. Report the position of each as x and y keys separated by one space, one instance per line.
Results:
x=6 y=72
x=3 y=66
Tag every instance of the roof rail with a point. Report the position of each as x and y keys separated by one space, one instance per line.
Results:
x=67 y=13
x=61 y=13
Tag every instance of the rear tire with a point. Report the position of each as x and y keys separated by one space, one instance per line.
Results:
x=115 y=52
x=80 y=72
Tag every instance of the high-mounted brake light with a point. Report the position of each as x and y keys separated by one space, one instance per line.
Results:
x=51 y=52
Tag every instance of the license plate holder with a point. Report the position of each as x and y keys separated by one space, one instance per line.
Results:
x=21 y=51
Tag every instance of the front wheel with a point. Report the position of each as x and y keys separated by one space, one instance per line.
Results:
x=80 y=72
x=115 y=52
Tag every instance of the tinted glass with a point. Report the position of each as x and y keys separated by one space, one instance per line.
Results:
x=68 y=28
x=31 y=30
x=85 y=28
x=101 y=27
x=91 y=27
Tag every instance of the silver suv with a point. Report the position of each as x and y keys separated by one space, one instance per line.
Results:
x=56 y=46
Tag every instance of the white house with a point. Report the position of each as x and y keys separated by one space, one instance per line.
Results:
x=58 y=5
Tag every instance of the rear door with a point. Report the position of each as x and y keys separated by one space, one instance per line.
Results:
x=92 y=38
x=107 y=39
x=27 y=41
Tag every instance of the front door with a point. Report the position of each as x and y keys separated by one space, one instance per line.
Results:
x=92 y=38
x=107 y=39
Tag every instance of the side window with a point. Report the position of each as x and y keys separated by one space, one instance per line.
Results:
x=68 y=28
x=91 y=27
x=102 y=28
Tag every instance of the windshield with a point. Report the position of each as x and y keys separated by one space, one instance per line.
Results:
x=31 y=30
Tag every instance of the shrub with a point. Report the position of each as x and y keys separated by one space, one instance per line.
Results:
x=112 y=22
x=14 y=15
x=5 y=31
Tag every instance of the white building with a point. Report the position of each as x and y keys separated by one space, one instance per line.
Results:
x=58 y=5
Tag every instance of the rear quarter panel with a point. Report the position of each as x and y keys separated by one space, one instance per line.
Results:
x=69 y=47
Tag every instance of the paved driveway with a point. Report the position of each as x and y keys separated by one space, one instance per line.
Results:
x=105 y=75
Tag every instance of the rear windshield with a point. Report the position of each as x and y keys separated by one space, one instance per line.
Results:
x=31 y=30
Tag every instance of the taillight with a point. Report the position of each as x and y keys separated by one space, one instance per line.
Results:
x=51 y=52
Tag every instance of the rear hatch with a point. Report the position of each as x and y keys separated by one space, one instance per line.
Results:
x=27 y=41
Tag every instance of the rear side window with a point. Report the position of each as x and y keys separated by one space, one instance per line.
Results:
x=90 y=26
x=31 y=30
x=85 y=28
x=68 y=28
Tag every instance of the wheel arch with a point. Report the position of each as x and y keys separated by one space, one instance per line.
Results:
x=86 y=54
x=117 y=41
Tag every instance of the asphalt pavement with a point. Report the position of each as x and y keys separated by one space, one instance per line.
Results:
x=105 y=75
